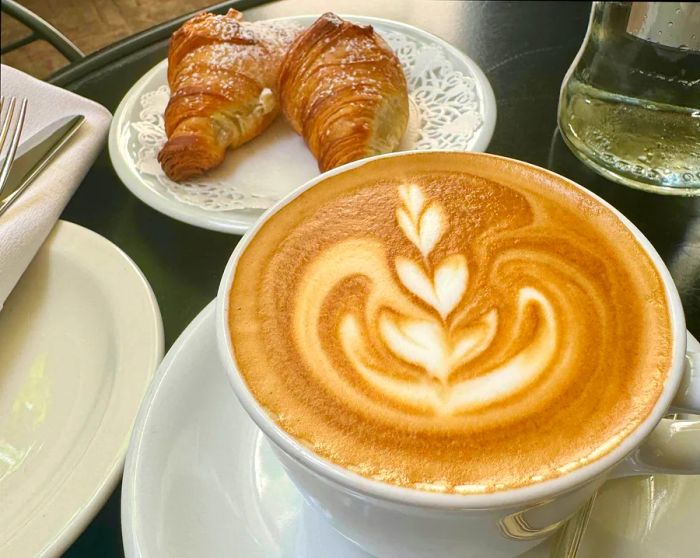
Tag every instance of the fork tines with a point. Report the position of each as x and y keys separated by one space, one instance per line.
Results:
x=10 y=129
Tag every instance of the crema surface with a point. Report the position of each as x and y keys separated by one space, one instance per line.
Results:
x=450 y=322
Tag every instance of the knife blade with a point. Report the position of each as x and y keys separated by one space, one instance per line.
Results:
x=37 y=152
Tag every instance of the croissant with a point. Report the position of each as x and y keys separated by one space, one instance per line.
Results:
x=342 y=88
x=223 y=75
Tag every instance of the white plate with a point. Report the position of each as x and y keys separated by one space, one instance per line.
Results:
x=80 y=338
x=200 y=480
x=452 y=107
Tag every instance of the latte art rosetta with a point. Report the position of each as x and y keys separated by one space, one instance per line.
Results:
x=425 y=333
x=450 y=322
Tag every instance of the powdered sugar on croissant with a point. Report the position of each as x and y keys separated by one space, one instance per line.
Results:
x=223 y=81
x=342 y=88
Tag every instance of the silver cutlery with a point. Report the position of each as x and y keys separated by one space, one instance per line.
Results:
x=35 y=154
x=11 y=127
x=567 y=543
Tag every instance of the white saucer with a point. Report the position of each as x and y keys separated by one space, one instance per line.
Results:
x=452 y=107
x=200 y=480
x=80 y=338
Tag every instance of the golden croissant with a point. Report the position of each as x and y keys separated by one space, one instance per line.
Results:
x=223 y=75
x=342 y=88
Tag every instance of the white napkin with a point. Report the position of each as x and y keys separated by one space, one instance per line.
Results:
x=25 y=225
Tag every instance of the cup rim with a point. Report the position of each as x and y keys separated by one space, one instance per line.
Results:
x=411 y=496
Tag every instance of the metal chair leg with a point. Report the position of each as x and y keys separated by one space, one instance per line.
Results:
x=42 y=29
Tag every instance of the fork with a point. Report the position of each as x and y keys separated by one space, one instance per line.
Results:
x=11 y=128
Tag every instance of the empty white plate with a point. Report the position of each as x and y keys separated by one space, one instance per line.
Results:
x=80 y=338
x=200 y=480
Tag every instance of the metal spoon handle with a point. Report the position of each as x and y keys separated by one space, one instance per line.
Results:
x=569 y=539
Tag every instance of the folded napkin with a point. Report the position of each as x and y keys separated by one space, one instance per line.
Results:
x=25 y=226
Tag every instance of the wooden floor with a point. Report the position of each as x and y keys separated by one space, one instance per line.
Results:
x=90 y=24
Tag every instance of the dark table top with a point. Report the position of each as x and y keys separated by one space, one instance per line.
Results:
x=524 y=49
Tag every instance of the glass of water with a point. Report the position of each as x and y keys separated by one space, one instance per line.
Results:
x=630 y=103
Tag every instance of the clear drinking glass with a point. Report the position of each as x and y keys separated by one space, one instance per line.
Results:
x=630 y=103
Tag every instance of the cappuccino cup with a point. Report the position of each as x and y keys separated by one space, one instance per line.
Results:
x=450 y=352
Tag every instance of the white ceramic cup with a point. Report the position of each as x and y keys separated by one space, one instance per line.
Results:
x=394 y=522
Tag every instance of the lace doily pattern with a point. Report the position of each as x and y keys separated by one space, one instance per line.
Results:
x=205 y=192
x=446 y=114
x=446 y=98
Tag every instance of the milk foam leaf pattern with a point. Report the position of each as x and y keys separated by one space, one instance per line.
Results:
x=420 y=342
x=416 y=281
x=444 y=291
x=422 y=226
x=450 y=283
x=414 y=320
x=434 y=344
x=430 y=229
x=413 y=199
x=427 y=344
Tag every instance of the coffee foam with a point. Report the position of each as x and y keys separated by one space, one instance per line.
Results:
x=451 y=322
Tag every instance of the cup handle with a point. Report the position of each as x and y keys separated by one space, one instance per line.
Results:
x=674 y=445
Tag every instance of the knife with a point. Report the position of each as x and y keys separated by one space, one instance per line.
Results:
x=37 y=152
